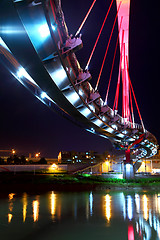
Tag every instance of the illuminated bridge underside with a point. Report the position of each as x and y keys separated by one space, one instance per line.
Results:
x=30 y=34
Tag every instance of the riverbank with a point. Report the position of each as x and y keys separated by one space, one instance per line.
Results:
x=11 y=182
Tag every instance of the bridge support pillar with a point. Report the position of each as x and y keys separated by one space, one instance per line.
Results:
x=128 y=171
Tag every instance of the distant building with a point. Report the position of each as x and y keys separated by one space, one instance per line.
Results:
x=79 y=157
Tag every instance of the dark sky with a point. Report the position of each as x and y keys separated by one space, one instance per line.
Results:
x=29 y=126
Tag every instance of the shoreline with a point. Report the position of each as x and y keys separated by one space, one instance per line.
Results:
x=25 y=182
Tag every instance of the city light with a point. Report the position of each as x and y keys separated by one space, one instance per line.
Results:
x=24 y=207
x=145 y=207
x=129 y=207
x=35 y=210
x=53 y=204
x=108 y=207
x=53 y=167
x=9 y=217
x=13 y=151
x=37 y=155
x=11 y=195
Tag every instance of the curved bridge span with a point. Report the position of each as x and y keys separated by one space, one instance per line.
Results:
x=37 y=49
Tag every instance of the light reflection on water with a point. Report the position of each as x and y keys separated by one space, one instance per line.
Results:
x=109 y=215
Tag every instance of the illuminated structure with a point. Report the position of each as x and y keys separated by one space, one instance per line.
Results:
x=36 y=48
x=79 y=157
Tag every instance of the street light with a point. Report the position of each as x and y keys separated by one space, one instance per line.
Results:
x=37 y=155
x=13 y=151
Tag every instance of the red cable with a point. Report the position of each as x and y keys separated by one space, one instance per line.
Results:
x=107 y=47
x=130 y=94
x=133 y=92
x=79 y=29
x=113 y=63
x=118 y=82
x=98 y=36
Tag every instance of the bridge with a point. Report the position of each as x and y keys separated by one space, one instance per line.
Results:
x=38 y=50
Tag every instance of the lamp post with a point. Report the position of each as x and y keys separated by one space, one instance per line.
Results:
x=13 y=151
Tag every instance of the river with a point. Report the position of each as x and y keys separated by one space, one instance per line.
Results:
x=96 y=215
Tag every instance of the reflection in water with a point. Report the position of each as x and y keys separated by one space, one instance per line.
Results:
x=35 y=210
x=137 y=201
x=107 y=207
x=10 y=207
x=136 y=213
x=24 y=199
x=91 y=203
x=129 y=207
x=9 y=217
x=53 y=204
x=158 y=203
x=145 y=207
x=11 y=195
x=130 y=232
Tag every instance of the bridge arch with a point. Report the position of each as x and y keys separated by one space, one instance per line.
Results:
x=35 y=55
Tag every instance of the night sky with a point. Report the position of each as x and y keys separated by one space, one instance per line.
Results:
x=29 y=126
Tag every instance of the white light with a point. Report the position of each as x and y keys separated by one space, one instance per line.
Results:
x=44 y=30
x=80 y=92
x=59 y=76
x=98 y=122
x=3 y=44
x=110 y=130
x=43 y=95
x=91 y=202
x=114 y=126
x=73 y=97
x=137 y=201
x=53 y=27
x=131 y=139
x=22 y=73
x=129 y=207
x=120 y=135
x=103 y=118
x=86 y=112
x=125 y=132
x=91 y=107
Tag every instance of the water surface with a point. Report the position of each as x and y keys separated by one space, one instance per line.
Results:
x=80 y=215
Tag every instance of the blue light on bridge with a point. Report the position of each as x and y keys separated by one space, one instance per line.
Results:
x=59 y=76
x=43 y=95
x=73 y=97
x=3 y=44
x=44 y=30
x=23 y=73
x=86 y=112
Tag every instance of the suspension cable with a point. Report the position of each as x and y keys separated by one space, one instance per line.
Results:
x=134 y=96
x=119 y=74
x=130 y=94
x=84 y=20
x=107 y=48
x=98 y=36
x=113 y=63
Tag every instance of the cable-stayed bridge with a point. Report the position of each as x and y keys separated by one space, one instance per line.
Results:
x=38 y=50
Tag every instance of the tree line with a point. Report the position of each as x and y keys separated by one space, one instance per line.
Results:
x=15 y=160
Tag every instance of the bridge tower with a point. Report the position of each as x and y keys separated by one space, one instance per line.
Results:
x=123 y=20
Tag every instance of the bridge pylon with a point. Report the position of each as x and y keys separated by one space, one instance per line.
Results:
x=128 y=170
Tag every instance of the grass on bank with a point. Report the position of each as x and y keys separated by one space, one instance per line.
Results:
x=30 y=178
